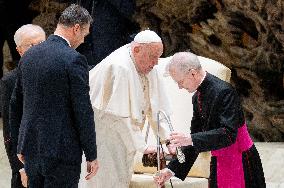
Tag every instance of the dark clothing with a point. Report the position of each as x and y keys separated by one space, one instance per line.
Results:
x=18 y=14
x=17 y=11
x=53 y=172
x=7 y=34
x=217 y=116
x=7 y=84
x=16 y=181
x=86 y=48
x=57 y=120
x=112 y=26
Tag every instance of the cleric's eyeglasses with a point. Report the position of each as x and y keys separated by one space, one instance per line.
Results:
x=31 y=44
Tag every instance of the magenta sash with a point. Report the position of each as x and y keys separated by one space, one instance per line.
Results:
x=230 y=172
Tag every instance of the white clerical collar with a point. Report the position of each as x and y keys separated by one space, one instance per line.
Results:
x=202 y=79
x=64 y=39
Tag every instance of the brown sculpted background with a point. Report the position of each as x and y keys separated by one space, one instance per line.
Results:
x=245 y=35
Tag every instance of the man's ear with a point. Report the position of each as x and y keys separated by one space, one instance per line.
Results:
x=136 y=49
x=76 y=28
x=193 y=72
x=19 y=50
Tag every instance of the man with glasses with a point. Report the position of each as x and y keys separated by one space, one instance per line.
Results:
x=58 y=121
x=218 y=125
x=25 y=37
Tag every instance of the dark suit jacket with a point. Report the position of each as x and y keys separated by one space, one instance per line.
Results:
x=53 y=87
x=217 y=115
x=7 y=85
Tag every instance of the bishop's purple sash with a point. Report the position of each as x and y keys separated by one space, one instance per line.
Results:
x=230 y=172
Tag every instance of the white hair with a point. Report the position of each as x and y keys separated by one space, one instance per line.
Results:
x=184 y=61
x=27 y=32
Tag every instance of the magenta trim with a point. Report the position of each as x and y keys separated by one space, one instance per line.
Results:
x=229 y=161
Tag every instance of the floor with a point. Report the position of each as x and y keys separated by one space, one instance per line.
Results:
x=272 y=155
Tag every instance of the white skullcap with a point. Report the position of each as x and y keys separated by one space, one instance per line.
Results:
x=147 y=36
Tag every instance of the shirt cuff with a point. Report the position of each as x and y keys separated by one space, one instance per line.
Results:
x=22 y=170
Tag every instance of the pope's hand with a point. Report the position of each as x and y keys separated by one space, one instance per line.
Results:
x=150 y=149
x=161 y=177
x=180 y=139
x=92 y=169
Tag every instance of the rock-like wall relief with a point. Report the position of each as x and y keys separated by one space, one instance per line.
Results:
x=245 y=35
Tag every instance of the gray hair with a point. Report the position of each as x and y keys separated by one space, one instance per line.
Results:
x=27 y=32
x=75 y=14
x=184 y=61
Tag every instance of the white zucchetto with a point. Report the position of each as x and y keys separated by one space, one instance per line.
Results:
x=147 y=36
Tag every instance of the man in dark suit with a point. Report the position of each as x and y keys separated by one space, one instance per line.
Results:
x=57 y=122
x=218 y=125
x=25 y=37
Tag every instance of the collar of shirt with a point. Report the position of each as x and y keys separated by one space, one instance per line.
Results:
x=64 y=39
x=201 y=81
x=203 y=78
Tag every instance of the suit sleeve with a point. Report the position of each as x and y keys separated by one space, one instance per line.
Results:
x=181 y=169
x=196 y=121
x=15 y=117
x=81 y=105
x=229 y=120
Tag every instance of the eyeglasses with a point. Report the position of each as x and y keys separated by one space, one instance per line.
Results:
x=31 y=44
x=184 y=77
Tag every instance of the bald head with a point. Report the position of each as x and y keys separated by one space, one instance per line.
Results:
x=27 y=36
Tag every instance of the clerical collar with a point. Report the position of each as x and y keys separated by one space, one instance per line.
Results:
x=202 y=80
x=64 y=39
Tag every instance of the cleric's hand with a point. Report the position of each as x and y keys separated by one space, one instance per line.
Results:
x=171 y=149
x=180 y=139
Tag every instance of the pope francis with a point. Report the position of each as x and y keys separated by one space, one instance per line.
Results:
x=126 y=91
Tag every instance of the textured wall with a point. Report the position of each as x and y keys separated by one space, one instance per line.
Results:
x=245 y=35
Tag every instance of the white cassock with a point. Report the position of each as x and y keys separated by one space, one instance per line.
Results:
x=122 y=100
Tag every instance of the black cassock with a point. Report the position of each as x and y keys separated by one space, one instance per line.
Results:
x=217 y=117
